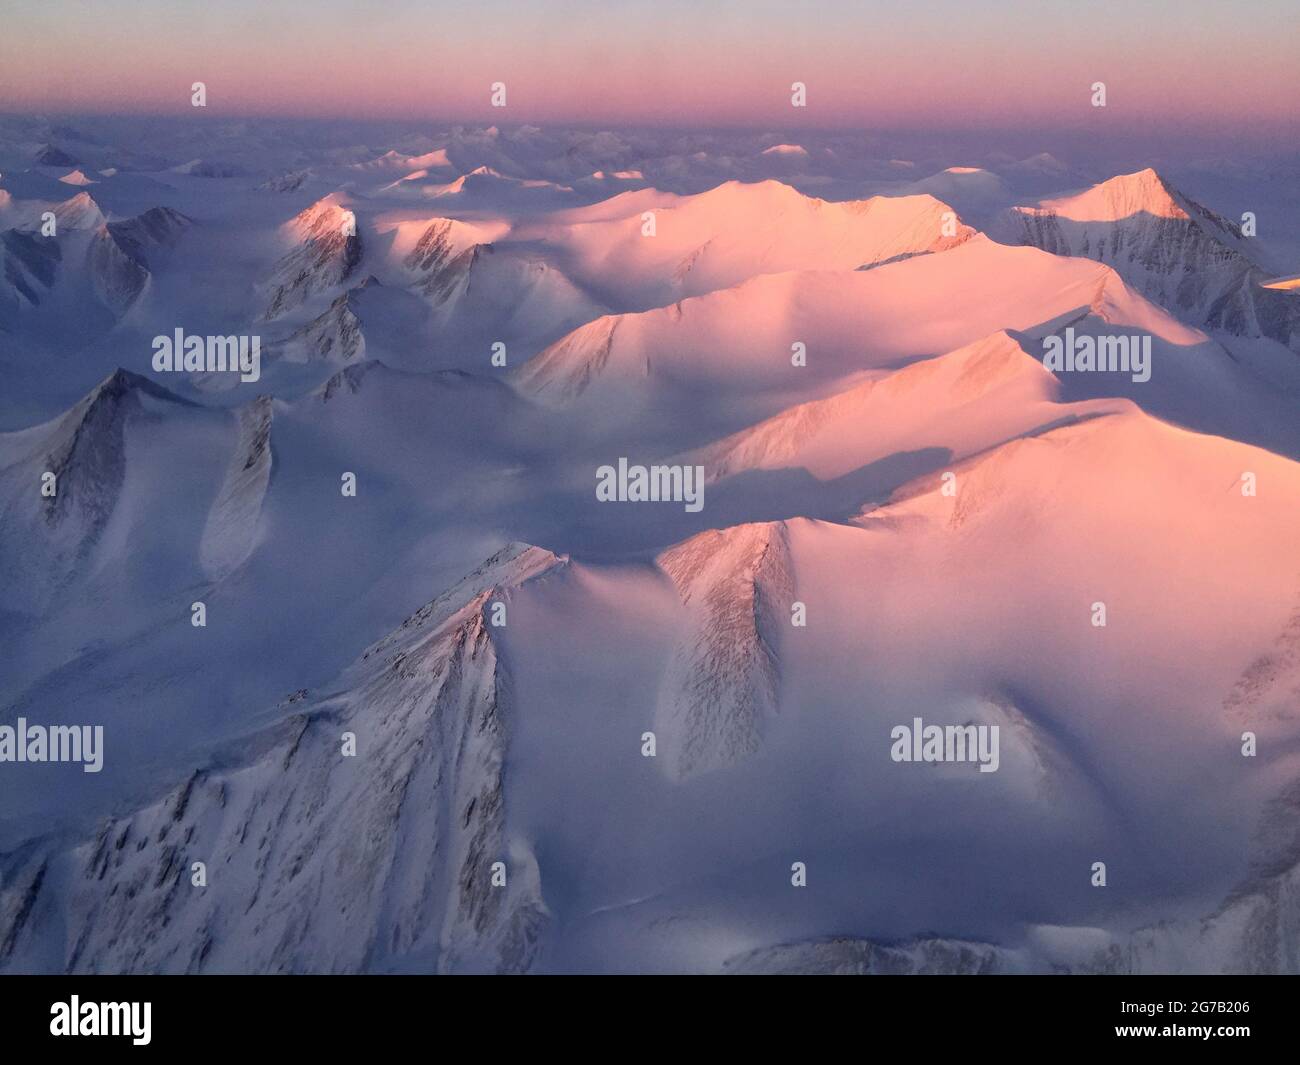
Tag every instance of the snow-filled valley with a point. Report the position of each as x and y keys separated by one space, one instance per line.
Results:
x=386 y=684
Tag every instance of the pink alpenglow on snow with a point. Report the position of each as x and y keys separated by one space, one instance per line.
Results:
x=684 y=488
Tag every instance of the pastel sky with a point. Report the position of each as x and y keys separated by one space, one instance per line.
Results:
x=1202 y=65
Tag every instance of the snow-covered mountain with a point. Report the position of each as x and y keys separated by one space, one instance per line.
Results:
x=1171 y=249
x=291 y=181
x=372 y=640
x=63 y=482
x=76 y=177
x=28 y=269
x=972 y=398
x=480 y=186
x=722 y=685
x=397 y=845
x=53 y=156
x=741 y=339
x=446 y=715
x=647 y=249
x=334 y=335
x=118 y=256
x=79 y=212
x=325 y=251
x=442 y=255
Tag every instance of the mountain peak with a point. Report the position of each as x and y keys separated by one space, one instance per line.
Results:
x=335 y=334
x=52 y=156
x=90 y=432
x=325 y=217
x=768 y=188
x=76 y=177
x=158 y=226
x=121 y=384
x=1042 y=163
x=510 y=567
x=349 y=378
x=432 y=701
x=1169 y=249
x=79 y=212
x=1143 y=192
x=327 y=251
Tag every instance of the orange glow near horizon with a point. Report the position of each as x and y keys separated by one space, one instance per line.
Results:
x=620 y=63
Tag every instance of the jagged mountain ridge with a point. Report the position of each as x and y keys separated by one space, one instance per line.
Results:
x=400 y=849
x=326 y=251
x=85 y=451
x=441 y=676
x=118 y=256
x=30 y=267
x=335 y=335
x=1171 y=249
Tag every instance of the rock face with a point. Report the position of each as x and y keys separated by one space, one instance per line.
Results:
x=441 y=260
x=327 y=862
x=722 y=685
x=333 y=336
x=1170 y=248
x=118 y=255
x=119 y=276
x=287 y=182
x=231 y=531
x=28 y=268
x=326 y=252
x=78 y=212
x=85 y=450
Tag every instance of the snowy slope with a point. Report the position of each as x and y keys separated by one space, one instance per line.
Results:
x=966 y=401
x=740 y=694
x=718 y=238
x=385 y=856
x=740 y=339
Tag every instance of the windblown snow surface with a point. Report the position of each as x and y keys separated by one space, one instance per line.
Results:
x=470 y=717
